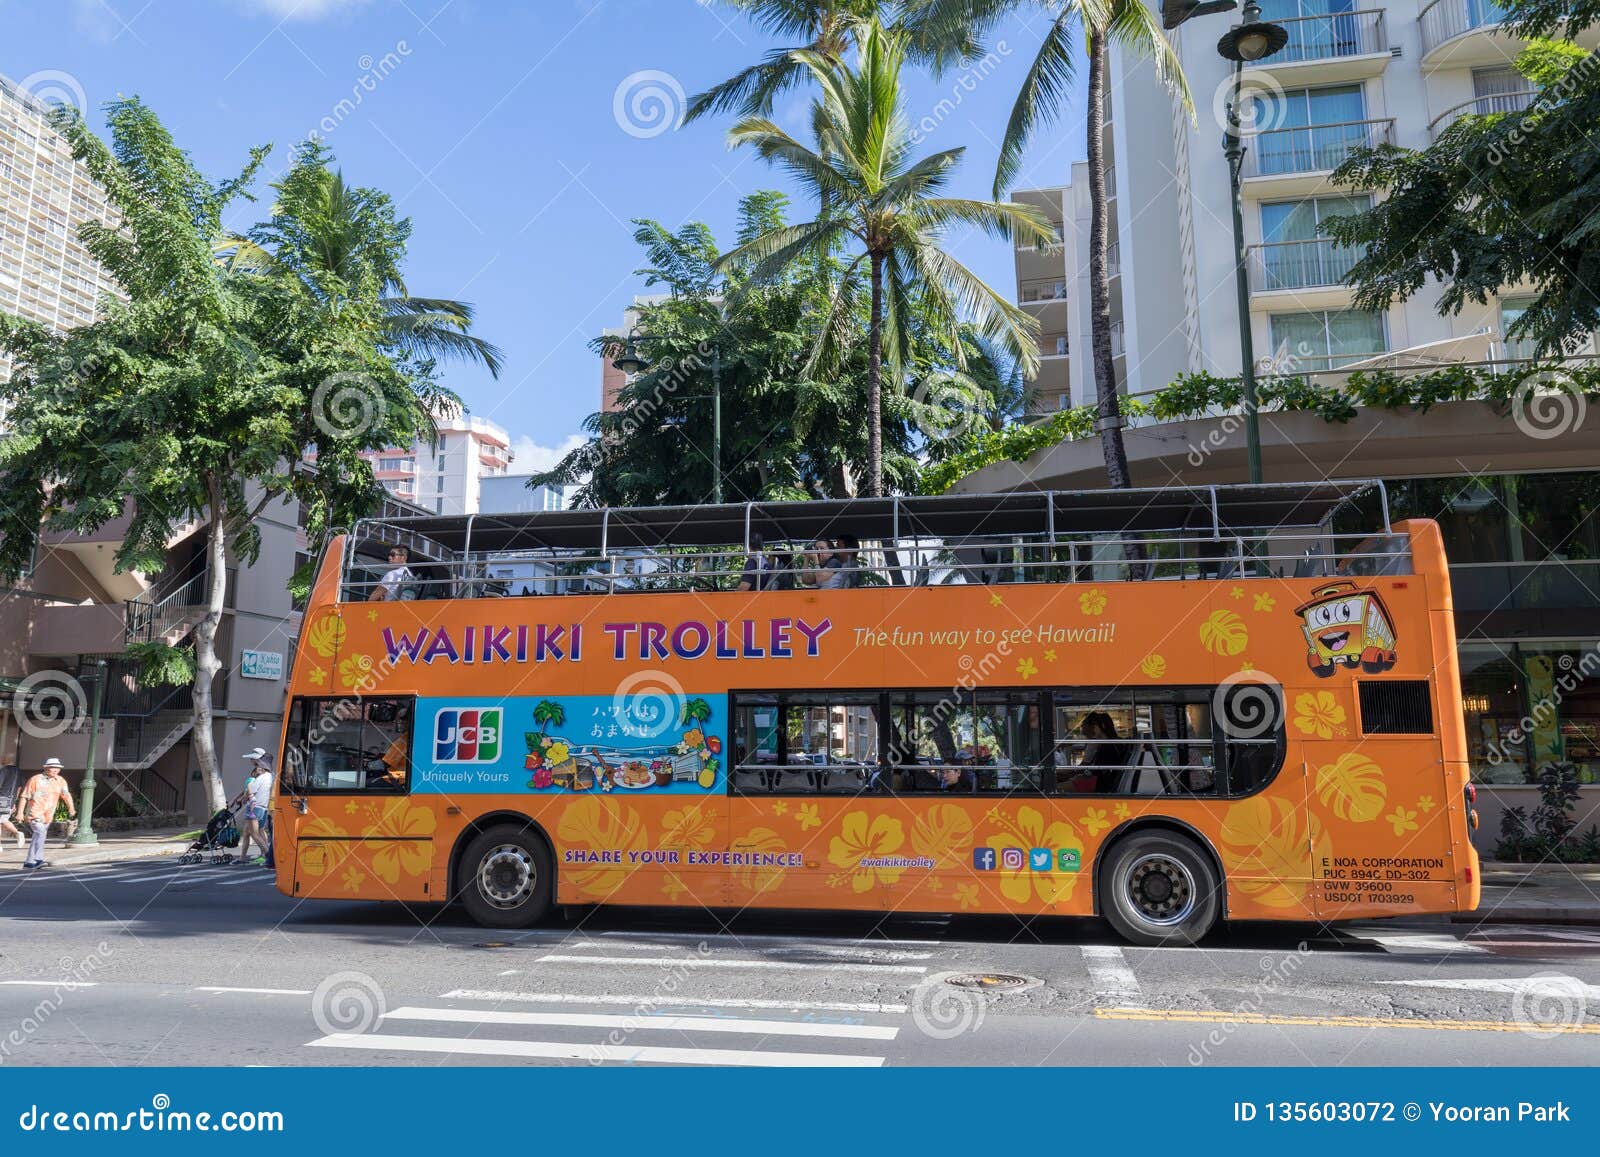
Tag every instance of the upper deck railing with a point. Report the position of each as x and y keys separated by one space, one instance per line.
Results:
x=1222 y=532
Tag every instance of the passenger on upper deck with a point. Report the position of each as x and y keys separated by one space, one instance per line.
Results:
x=394 y=578
x=822 y=568
x=760 y=571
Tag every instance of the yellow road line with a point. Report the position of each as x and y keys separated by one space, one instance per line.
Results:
x=1342 y=1021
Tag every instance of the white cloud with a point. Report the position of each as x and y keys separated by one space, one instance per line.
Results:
x=300 y=9
x=528 y=457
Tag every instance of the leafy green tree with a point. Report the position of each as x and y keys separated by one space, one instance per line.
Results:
x=324 y=240
x=884 y=209
x=192 y=400
x=548 y=712
x=1500 y=200
x=1136 y=27
x=827 y=28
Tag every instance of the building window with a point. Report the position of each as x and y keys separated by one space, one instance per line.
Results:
x=1296 y=254
x=1529 y=706
x=1313 y=128
x=1326 y=339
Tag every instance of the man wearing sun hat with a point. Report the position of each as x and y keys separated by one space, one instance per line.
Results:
x=40 y=798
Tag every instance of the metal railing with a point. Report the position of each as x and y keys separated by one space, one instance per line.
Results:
x=1042 y=289
x=166 y=605
x=1444 y=20
x=1298 y=264
x=1311 y=148
x=1332 y=35
x=1278 y=552
x=1498 y=102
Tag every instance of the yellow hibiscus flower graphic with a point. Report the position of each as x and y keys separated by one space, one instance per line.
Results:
x=1318 y=713
x=318 y=676
x=1265 y=602
x=1028 y=830
x=1027 y=669
x=674 y=887
x=404 y=835
x=353 y=878
x=780 y=808
x=1402 y=820
x=688 y=828
x=1425 y=803
x=557 y=754
x=808 y=817
x=1154 y=666
x=1095 y=822
x=862 y=839
x=967 y=896
x=1121 y=811
x=1092 y=601
x=355 y=670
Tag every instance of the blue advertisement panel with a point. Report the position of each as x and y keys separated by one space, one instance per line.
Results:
x=643 y=739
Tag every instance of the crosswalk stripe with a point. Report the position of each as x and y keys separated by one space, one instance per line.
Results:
x=256 y=991
x=703 y=962
x=621 y=1054
x=657 y=1001
x=196 y=872
x=648 y=1022
x=1417 y=943
x=1110 y=974
x=254 y=877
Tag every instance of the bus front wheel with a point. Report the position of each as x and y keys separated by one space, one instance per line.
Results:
x=507 y=879
x=1159 y=888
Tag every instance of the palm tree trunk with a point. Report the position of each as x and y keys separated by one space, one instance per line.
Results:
x=206 y=662
x=1108 y=409
x=875 y=382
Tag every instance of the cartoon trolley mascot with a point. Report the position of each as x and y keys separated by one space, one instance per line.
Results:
x=1345 y=626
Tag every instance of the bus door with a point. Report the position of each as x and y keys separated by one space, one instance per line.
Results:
x=353 y=828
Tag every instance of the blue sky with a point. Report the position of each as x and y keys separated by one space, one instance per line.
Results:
x=495 y=127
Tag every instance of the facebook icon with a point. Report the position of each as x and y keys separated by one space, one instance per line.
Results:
x=983 y=859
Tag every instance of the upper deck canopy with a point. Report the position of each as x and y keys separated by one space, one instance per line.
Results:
x=1219 y=511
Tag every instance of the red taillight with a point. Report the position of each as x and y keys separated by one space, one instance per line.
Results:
x=1469 y=874
x=1472 y=793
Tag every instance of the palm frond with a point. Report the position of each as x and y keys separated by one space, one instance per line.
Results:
x=1041 y=98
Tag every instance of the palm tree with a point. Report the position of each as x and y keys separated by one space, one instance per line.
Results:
x=827 y=28
x=1131 y=25
x=332 y=237
x=886 y=207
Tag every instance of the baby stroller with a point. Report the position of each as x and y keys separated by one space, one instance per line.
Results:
x=221 y=834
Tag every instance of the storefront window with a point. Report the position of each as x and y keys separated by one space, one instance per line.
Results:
x=1530 y=705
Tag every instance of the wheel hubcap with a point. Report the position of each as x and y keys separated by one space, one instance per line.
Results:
x=506 y=876
x=1161 y=890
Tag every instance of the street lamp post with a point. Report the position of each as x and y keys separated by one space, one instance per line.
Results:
x=1251 y=40
x=85 y=835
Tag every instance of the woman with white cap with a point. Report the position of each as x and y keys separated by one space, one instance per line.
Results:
x=257 y=798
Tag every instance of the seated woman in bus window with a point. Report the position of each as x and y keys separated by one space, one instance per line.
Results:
x=1103 y=755
x=824 y=568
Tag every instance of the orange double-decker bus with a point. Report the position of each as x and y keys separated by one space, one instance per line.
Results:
x=1165 y=707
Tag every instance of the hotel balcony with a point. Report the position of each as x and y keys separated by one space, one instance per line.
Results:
x=1464 y=33
x=1297 y=160
x=1330 y=49
x=1040 y=291
x=1499 y=102
x=1309 y=274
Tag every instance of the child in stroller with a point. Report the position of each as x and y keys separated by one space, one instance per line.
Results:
x=220 y=834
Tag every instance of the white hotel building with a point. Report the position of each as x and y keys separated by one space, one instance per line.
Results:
x=1353 y=73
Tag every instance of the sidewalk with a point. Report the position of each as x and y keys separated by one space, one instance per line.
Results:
x=113 y=846
x=1537 y=893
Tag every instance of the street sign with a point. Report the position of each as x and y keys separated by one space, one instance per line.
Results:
x=261 y=665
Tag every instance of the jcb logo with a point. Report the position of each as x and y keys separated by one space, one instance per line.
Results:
x=466 y=735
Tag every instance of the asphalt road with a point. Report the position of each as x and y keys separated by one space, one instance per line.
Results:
x=150 y=963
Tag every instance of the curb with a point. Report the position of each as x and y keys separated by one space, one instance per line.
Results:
x=1583 y=916
x=110 y=853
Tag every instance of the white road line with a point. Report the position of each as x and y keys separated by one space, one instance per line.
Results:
x=87 y=875
x=1553 y=984
x=197 y=872
x=1418 y=943
x=649 y=1023
x=863 y=954
x=657 y=1001
x=53 y=983
x=1109 y=971
x=621 y=1054
x=257 y=877
x=257 y=991
x=702 y=962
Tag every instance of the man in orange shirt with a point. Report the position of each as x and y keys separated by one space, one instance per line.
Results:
x=40 y=798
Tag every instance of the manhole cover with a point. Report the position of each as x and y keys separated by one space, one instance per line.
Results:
x=493 y=944
x=990 y=981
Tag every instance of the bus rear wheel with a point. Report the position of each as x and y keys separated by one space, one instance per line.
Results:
x=1159 y=888
x=507 y=879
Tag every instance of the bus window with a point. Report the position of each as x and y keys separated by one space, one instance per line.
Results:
x=1250 y=728
x=349 y=746
x=806 y=742
x=1149 y=742
x=951 y=742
